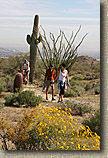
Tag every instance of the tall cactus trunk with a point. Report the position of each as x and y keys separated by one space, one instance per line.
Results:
x=33 y=42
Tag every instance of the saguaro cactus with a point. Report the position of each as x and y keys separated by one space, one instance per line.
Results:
x=33 y=41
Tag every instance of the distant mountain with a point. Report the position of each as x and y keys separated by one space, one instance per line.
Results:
x=95 y=55
x=87 y=60
x=5 y=52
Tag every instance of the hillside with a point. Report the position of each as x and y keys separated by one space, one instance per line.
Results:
x=86 y=65
x=87 y=60
x=81 y=103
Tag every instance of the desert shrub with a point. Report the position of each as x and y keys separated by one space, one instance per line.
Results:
x=88 y=86
x=76 y=108
x=88 y=76
x=76 y=82
x=2 y=86
x=97 y=84
x=28 y=98
x=45 y=128
x=1 y=105
x=78 y=77
x=96 y=68
x=10 y=100
x=70 y=93
x=78 y=89
x=93 y=122
x=13 y=63
x=82 y=109
x=74 y=91
x=97 y=90
x=6 y=83
x=9 y=83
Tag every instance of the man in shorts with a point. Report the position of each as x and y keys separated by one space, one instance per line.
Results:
x=49 y=80
x=26 y=69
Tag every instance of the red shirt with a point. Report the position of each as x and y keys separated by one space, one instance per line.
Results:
x=50 y=75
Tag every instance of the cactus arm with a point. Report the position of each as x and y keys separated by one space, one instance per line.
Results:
x=33 y=41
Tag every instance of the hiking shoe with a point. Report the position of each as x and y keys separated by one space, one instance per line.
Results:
x=46 y=98
x=53 y=99
x=62 y=100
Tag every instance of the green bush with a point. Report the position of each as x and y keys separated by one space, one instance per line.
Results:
x=28 y=98
x=88 y=86
x=82 y=108
x=10 y=100
x=94 y=122
x=6 y=83
x=70 y=93
x=78 y=77
x=76 y=108
x=78 y=89
x=2 y=88
x=1 y=105
x=97 y=90
x=74 y=91
x=9 y=83
x=76 y=82
x=2 y=85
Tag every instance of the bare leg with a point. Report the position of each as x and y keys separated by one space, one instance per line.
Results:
x=52 y=91
x=62 y=97
x=59 y=96
x=27 y=77
x=47 y=89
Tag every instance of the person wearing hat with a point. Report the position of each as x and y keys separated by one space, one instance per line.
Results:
x=26 y=68
x=49 y=80
x=62 y=75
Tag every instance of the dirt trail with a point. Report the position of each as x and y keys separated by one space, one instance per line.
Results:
x=38 y=91
x=92 y=100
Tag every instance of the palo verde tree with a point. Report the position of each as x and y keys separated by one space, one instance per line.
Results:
x=59 y=49
x=33 y=41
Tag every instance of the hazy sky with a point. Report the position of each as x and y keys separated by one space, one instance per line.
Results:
x=17 y=16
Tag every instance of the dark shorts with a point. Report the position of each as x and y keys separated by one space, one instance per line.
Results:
x=62 y=87
x=49 y=83
x=61 y=84
x=26 y=71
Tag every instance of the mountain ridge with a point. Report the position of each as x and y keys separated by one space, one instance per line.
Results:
x=6 y=52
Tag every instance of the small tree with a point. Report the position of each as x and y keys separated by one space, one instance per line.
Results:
x=59 y=52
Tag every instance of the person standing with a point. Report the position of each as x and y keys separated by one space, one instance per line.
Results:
x=26 y=69
x=62 y=75
x=49 y=80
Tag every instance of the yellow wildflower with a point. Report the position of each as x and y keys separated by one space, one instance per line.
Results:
x=61 y=147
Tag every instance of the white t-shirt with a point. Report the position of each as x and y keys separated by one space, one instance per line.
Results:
x=62 y=76
x=26 y=65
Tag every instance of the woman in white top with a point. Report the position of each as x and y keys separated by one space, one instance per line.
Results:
x=62 y=75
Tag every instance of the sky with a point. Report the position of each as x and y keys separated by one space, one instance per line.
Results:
x=17 y=17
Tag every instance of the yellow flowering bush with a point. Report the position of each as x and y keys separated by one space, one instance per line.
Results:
x=46 y=128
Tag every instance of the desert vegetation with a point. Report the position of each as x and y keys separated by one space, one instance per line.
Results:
x=28 y=122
